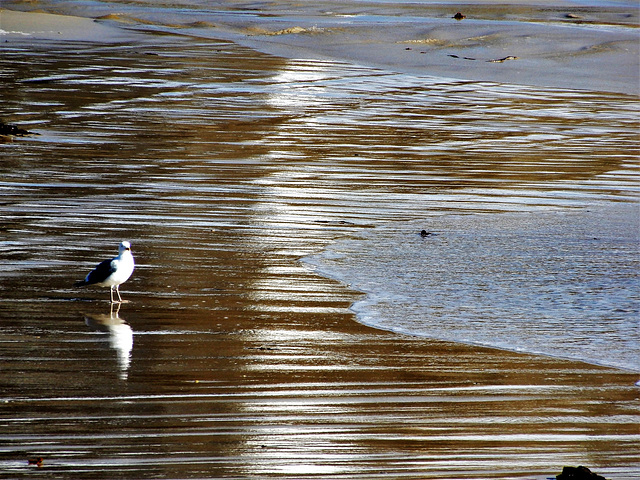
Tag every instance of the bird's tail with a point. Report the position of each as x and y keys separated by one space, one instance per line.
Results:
x=80 y=283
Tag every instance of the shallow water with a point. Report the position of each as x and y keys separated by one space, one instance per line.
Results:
x=224 y=167
x=560 y=283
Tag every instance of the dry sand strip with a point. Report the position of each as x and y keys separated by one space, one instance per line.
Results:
x=25 y=26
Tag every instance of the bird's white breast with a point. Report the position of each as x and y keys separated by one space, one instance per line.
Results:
x=124 y=268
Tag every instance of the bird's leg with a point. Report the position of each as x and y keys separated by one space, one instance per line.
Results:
x=111 y=292
x=118 y=292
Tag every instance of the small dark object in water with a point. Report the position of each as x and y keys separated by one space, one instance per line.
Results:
x=573 y=16
x=6 y=129
x=36 y=461
x=578 y=473
x=465 y=58
x=424 y=233
x=459 y=16
x=500 y=60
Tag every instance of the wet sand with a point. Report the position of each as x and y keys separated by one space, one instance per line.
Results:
x=548 y=44
x=236 y=360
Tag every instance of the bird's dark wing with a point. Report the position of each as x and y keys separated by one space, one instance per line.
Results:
x=100 y=273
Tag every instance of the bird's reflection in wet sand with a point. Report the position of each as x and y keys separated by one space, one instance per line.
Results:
x=120 y=335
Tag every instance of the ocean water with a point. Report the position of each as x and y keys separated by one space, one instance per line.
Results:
x=562 y=283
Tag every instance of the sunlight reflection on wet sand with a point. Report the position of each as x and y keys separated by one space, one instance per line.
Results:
x=243 y=362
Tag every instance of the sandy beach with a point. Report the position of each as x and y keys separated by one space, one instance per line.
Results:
x=224 y=165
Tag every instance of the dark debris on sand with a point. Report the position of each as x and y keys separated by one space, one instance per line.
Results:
x=6 y=129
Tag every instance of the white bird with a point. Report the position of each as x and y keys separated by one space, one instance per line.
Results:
x=112 y=273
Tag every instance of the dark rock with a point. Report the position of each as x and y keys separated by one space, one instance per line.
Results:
x=578 y=473
x=459 y=16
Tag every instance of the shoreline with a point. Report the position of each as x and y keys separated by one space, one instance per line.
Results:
x=376 y=309
x=70 y=28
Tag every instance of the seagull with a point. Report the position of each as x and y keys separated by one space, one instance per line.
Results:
x=112 y=273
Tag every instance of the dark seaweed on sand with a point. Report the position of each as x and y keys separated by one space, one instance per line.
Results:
x=6 y=129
